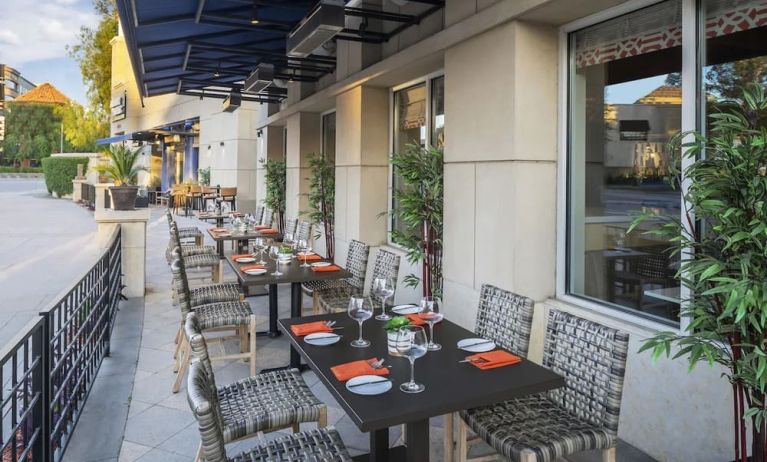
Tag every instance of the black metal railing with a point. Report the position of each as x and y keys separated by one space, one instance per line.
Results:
x=88 y=195
x=47 y=371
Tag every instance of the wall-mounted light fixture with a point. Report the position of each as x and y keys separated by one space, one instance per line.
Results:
x=259 y=133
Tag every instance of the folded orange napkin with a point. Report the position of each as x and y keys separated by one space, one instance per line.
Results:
x=326 y=269
x=243 y=255
x=251 y=267
x=259 y=227
x=415 y=319
x=346 y=371
x=218 y=230
x=267 y=231
x=310 y=257
x=493 y=359
x=310 y=328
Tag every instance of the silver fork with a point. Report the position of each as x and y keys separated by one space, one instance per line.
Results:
x=330 y=323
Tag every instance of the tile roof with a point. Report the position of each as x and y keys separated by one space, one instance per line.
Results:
x=43 y=94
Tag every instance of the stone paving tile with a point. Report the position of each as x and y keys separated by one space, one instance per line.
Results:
x=131 y=451
x=184 y=442
x=156 y=424
x=158 y=455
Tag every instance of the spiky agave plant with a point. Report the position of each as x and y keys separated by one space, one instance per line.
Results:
x=123 y=166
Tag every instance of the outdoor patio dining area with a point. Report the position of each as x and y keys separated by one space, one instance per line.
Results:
x=246 y=400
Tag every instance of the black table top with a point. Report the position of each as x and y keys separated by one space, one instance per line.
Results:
x=237 y=236
x=292 y=272
x=213 y=215
x=450 y=386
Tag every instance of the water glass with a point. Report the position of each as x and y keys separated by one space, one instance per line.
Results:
x=304 y=246
x=384 y=288
x=431 y=312
x=360 y=310
x=412 y=344
x=274 y=253
x=261 y=245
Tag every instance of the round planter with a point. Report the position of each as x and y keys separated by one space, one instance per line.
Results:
x=391 y=340
x=124 y=197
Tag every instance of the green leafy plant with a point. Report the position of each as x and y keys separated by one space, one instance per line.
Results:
x=59 y=173
x=394 y=324
x=6 y=169
x=122 y=167
x=203 y=176
x=322 y=198
x=275 y=189
x=420 y=209
x=722 y=242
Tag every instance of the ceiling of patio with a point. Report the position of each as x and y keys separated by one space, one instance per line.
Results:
x=191 y=46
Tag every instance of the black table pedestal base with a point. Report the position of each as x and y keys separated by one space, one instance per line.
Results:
x=396 y=453
x=296 y=299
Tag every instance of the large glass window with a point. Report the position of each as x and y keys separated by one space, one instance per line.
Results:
x=624 y=105
x=329 y=136
x=419 y=118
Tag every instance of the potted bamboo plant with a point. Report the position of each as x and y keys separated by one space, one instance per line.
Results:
x=721 y=240
x=420 y=207
x=123 y=171
x=322 y=198
x=276 y=184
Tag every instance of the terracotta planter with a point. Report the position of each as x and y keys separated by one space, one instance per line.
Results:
x=123 y=197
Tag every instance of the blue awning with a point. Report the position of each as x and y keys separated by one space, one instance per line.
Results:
x=136 y=136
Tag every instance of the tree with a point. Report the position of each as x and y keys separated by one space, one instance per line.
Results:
x=322 y=188
x=33 y=131
x=94 y=53
x=82 y=127
x=728 y=80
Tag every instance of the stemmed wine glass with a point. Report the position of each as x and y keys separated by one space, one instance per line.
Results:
x=261 y=245
x=274 y=253
x=412 y=344
x=304 y=246
x=384 y=288
x=431 y=313
x=287 y=239
x=360 y=310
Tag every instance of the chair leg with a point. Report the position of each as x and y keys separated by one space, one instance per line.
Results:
x=242 y=333
x=296 y=427
x=184 y=357
x=463 y=447
x=315 y=305
x=252 y=344
x=608 y=455
x=527 y=456
x=179 y=354
x=322 y=422
x=199 y=457
x=447 y=426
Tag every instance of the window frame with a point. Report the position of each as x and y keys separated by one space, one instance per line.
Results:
x=427 y=80
x=691 y=112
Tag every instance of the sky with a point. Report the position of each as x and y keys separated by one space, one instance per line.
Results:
x=629 y=92
x=33 y=39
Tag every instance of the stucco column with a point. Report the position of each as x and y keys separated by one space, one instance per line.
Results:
x=303 y=141
x=270 y=147
x=101 y=192
x=362 y=166
x=77 y=189
x=133 y=228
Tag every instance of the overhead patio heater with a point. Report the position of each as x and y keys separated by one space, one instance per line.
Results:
x=259 y=79
x=319 y=27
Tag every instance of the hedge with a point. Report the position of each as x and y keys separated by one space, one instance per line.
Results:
x=60 y=171
x=7 y=169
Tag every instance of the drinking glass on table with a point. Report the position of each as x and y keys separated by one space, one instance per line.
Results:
x=305 y=247
x=287 y=239
x=431 y=312
x=412 y=344
x=274 y=253
x=360 y=310
x=384 y=288
x=261 y=245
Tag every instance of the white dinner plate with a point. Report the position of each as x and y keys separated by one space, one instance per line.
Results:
x=406 y=309
x=255 y=272
x=322 y=339
x=320 y=264
x=305 y=254
x=383 y=385
x=476 y=345
x=245 y=260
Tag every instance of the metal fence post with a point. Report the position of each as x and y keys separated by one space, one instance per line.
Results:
x=41 y=380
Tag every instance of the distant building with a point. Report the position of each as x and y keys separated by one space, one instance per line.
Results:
x=12 y=85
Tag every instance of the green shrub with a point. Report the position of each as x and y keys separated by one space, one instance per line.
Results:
x=9 y=169
x=60 y=171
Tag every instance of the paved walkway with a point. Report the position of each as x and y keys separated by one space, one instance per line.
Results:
x=45 y=243
x=158 y=425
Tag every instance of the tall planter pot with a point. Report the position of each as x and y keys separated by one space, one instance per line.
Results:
x=124 y=197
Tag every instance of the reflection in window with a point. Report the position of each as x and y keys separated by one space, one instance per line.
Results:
x=438 y=112
x=625 y=105
x=329 y=136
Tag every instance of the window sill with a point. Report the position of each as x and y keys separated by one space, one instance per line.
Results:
x=610 y=316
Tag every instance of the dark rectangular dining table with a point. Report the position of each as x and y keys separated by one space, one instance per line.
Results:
x=239 y=237
x=217 y=217
x=450 y=385
x=293 y=274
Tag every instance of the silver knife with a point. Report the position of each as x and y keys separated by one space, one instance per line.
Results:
x=477 y=343
x=370 y=382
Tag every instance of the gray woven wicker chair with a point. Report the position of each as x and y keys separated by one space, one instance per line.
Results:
x=336 y=298
x=259 y=213
x=222 y=316
x=304 y=231
x=187 y=232
x=189 y=238
x=267 y=217
x=262 y=403
x=290 y=226
x=581 y=416
x=202 y=260
x=356 y=263
x=320 y=445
